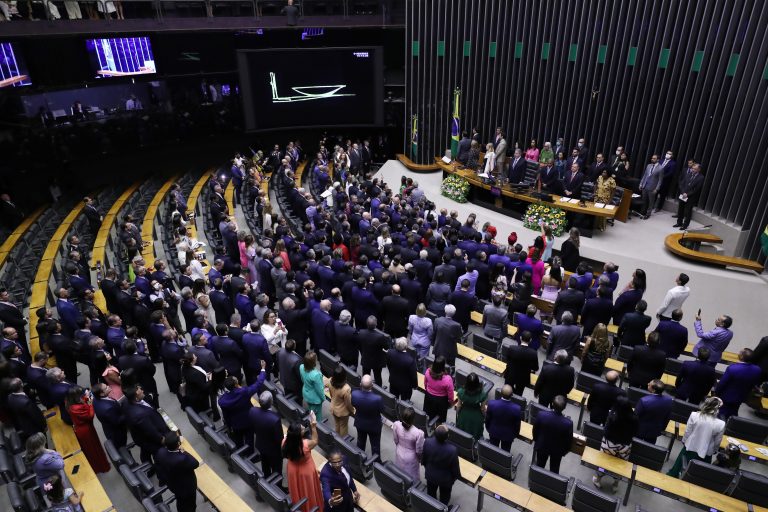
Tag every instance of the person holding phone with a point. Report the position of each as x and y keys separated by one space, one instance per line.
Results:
x=339 y=489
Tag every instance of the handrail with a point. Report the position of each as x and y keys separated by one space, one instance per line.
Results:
x=413 y=166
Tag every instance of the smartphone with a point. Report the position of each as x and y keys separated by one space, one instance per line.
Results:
x=75 y=469
x=699 y=313
x=337 y=493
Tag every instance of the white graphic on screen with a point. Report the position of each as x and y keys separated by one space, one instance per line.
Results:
x=306 y=92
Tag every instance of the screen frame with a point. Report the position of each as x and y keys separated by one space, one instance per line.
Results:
x=93 y=70
x=20 y=54
x=247 y=98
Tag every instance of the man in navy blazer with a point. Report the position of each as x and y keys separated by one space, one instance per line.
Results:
x=230 y=355
x=25 y=415
x=68 y=313
x=441 y=464
x=220 y=302
x=646 y=363
x=517 y=167
x=603 y=396
x=323 y=329
x=502 y=419
x=147 y=427
x=653 y=412
x=549 y=177
x=673 y=336
x=368 y=407
x=268 y=432
x=696 y=378
x=737 y=383
x=256 y=350
x=176 y=469
x=690 y=190
x=552 y=434
x=58 y=392
x=110 y=414
x=402 y=370
x=244 y=305
x=335 y=476
x=573 y=181
x=596 y=311
x=235 y=404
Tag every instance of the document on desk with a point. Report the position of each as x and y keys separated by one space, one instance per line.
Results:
x=599 y=205
x=564 y=199
x=610 y=207
x=574 y=201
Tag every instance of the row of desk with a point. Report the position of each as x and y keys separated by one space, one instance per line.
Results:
x=15 y=236
x=148 y=224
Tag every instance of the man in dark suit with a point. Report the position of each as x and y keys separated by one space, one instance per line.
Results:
x=235 y=405
x=597 y=168
x=172 y=350
x=144 y=370
x=633 y=325
x=447 y=333
x=334 y=477
x=110 y=414
x=229 y=353
x=462 y=153
x=268 y=433
x=256 y=350
x=25 y=415
x=288 y=362
x=737 y=383
x=347 y=342
x=93 y=215
x=653 y=412
x=394 y=313
x=110 y=290
x=690 y=191
x=147 y=427
x=222 y=305
x=552 y=435
x=296 y=322
x=364 y=303
x=668 y=169
x=441 y=464
x=373 y=346
x=646 y=363
x=603 y=397
x=673 y=336
x=573 y=181
x=565 y=336
x=596 y=311
x=423 y=268
x=464 y=301
x=696 y=378
x=323 y=328
x=502 y=419
x=69 y=315
x=555 y=379
x=64 y=348
x=11 y=316
x=402 y=370
x=176 y=469
x=37 y=380
x=571 y=299
x=368 y=407
x=206 y=359
x=522 y=360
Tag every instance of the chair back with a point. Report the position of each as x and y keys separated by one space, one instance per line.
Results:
x=498 y=461
x=246 y=469
x=751 y=487
x=288 y=409
x=681 y=410
x=393 y=487
x=673 y=366
x=198 y=421
x=423 y=502
x=353 y=378
x=485 y=345
x=463 y=441
x=356 y=461
x=328 y=362
x=594 y=434
x=647 y=454
x=388 y=402
x=625 y=352
x=273 y=496
x=534 y=408
x=326 y=437
x=708 y=475
x=587 y=499
x=548 y=484
x=635 y=394
x=747 y=429
x=586 y=381
x=522 y=402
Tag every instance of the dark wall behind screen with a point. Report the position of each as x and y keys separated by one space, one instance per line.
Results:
x=690 y=76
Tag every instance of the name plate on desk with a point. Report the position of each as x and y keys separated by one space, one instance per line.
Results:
x=656 y=490
x=446 y=159
x=497 y=497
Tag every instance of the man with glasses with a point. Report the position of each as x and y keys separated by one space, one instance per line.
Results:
x=339 y=489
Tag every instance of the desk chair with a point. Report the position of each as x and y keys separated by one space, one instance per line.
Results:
x=635 y=394
x=485 y=345
x=137 y=481
x=353 y=378
x=594 y=434
x=420 y=419
x=585 y=382
x=648 y=455
x=752 y=488
x=388 y=401
x=548 y=484
x=276 y=498
x=423 y=502
x=534 y=408
x=522 y=402
x=708 y=475
x=498 y=461
x=461 y=379
x=625 y=352
x=359 y=463
x=245 y=467
x=220 y=443
x=393 y=483
x=198 y=421
x=290 y=410
x=673 y=366
x=328 y=362
x=747 y=429
x=587 y=499
x=681 y=410
x=463 y=442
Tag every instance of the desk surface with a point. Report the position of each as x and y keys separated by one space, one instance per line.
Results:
x=95 y=498
x=610 y=463
x=479 y=359
x=726 y=358
x=471 y=177
x=211 y=485
x=750 y=454
x=537 y=502
x=505 y=490
x=64 y=439
x=470 y=472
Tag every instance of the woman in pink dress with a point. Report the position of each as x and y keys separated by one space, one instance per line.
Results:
x=242 y=247
x=409 y=443
x=538 y=270
x=109 y=374
x=532 y=153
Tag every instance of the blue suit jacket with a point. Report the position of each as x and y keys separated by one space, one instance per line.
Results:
x=229 y=353
x=595 y=311
x=325 y=277
x=177 y=470
x=256 y=350
x=502 y=419
x=737 y=381
x=364 y=304
x=653 y=412
x=441 y=462
x=368 y=407
x=323 y=331
x=146 y=425
x=236 y=404
x=331 y=479
x=673 y=337
x=552 y=433
x=532 y=325
x=115 y=339
x=112 y=419
x=69 y=315
x=694 y=381
x=244 y=306
x=267 y=429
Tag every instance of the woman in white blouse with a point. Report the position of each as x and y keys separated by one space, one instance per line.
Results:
x=195 y=266
x=384 y=238
x=703 y=434
x=273 y=331
x=490 y=161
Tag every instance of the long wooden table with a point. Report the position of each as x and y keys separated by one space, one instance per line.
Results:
x=589 y=207
x=95 y=498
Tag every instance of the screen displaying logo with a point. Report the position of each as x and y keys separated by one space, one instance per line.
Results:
x=306 y=92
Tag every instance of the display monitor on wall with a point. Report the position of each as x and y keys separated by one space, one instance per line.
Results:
x=121 y=56
x=311 y=87
x=13 y=69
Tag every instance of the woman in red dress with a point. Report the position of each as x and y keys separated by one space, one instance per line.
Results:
x=303 y=479
x=80 y=406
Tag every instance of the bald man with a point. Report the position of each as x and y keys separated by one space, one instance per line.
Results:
x=323 y=332
x=368 y=408
x=603 y=396
x=394 y=312
x=502 y=419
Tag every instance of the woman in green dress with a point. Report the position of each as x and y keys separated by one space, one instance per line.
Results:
x=471 y=407
x=547 y=156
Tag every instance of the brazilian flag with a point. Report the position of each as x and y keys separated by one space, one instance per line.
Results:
x=414 y=136
x=455 y=126
x=764 y=240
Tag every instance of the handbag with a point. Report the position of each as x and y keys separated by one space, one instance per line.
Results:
x=495 y=191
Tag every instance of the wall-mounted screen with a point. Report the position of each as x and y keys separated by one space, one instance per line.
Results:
x=13 y=69
x=121 y=56
x=311 y=87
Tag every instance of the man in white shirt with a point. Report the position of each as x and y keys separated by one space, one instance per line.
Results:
x=674 y=298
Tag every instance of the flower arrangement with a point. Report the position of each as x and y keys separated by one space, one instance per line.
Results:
x=550 y=215
x=456 y=188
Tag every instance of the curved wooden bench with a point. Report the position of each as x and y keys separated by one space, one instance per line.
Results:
x=148 y=224
x=21 y=229
x=193 y=197
x=229 y=197
x=672 y=243
x=413 y=166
